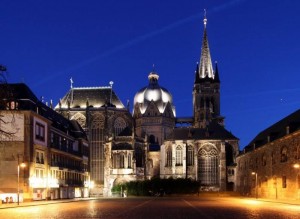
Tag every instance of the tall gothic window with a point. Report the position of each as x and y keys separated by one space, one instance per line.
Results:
x=208 y=165
x=178 y=156
x=284 y=157
x=169 y=157
x=190 y=156
x=122 y=160
x=139 y=157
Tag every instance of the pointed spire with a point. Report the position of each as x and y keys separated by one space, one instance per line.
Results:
x=205 y=20
x=217 y=78
x=205 y=68
x=71 y=82
x=197 y=78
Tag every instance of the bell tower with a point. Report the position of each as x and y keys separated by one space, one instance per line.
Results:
x=206 y=90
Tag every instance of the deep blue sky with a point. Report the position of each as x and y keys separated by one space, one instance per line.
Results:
x=256 y=44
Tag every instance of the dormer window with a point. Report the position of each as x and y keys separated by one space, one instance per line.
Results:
x=12 y=105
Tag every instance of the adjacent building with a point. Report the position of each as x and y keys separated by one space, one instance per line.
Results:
x=269 y=166
x=42 y=154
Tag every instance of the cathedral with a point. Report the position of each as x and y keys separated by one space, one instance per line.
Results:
x=150 y=141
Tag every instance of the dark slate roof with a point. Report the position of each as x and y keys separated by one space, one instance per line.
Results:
x=214 y=131
x=122 y=146
x=126 y=132
x=20 y=92
x=276 y=131
x=28 y=101
x=94 y=96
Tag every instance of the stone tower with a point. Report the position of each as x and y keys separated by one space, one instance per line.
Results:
x=206 y=91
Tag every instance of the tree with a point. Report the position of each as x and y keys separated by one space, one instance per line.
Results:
x=4 y=95
x=2 y=74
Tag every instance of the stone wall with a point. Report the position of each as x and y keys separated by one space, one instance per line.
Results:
x=277 y=178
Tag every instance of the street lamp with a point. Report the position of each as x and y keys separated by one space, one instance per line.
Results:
x=19 y=165
x=297 y=166
x=255 y=173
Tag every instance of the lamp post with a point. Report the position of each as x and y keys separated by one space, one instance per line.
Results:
x=255 y=173
x=19 y=165
x=297 y=166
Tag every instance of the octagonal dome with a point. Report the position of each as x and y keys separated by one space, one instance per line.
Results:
x=153 y=92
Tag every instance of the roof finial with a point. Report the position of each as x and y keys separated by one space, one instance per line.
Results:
x=205 y=20
x=71 y=81
x=111 y=85
x=153 y=68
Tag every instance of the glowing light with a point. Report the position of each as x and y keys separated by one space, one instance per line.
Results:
x=35 y=182
x=252 y=202
x=297 y=166
x=92 y=184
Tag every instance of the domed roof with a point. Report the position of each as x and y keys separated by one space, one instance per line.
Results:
x=153 y=92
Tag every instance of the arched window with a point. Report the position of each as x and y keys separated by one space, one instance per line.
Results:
x=169 y=157
x=139 y=157
x=80 y=118
x=178 y=156
x=129 y=160
x=208 y=165
x=152 y=139
x=297 y=154
x=118 y=161
x=122 y=160
x=190 y=156
x=283 y=157
x=273 y=161
x=264 y=160
x=119 y=125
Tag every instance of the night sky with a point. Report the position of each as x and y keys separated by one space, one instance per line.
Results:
x=256 y=44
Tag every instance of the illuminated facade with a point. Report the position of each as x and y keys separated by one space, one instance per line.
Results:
x=148 y=143
x=202 y=149
x=102 y=115
x=269 y=165
x=55 y=150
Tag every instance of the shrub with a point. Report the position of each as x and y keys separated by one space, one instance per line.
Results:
x=157 y=186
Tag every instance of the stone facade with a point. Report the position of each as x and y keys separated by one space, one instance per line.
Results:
x=267 y=167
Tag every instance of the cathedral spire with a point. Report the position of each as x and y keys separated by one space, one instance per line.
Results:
x=205 y=68
x=217 y=78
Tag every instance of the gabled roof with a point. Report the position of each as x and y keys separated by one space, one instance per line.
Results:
x=277 y=130
x=91 y=96
x=214 y=131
